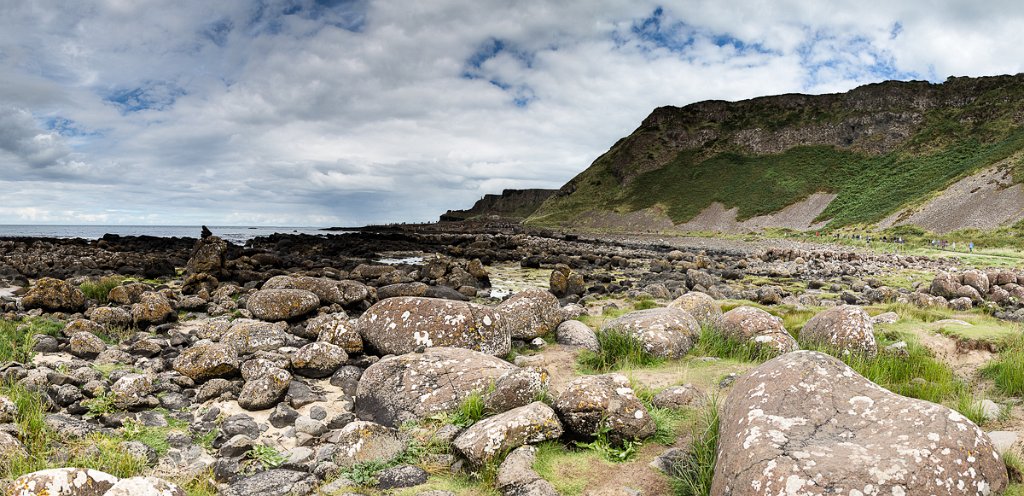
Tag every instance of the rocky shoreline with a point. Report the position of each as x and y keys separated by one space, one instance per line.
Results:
x=292 y=364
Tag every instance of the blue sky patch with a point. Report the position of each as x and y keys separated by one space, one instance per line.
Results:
x=149 y=96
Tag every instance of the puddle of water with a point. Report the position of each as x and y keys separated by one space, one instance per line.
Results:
x=400 y=261
x=8 y=292
x=507 y=279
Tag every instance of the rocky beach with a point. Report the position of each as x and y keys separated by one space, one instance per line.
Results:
x=487 y=358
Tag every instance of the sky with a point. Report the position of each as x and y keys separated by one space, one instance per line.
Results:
x=349 y=112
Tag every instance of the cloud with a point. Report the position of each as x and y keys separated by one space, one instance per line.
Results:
x=359 y=111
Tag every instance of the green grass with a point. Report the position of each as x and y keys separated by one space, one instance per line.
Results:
x=693 y=476
x=16 y=337
x=618 y=350
x=1007 y=369
x=470 y=411
x=621 y=451
x=713 y=343
x=99 y=289
x=562 y=467
x=266 y=456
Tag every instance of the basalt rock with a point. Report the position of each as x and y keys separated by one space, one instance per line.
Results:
x=403 y=324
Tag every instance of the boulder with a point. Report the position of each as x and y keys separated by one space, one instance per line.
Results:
x=207 y=361
x=592 y=403
x=318 y=359
x=327 y=290
x=415 y=386
x=82 y=325
x=701 y=306
x=10 y=447
x=275 y=482
x=977 y=280
x=265 y=390
x=54 y=295
x=847 y=328
x=497 y=435
x=403 y=324
x=249 y=336
x=64 y=482
x=945 y=285
x=516 y=388
x=664 y=332
x=678 y=397
x=127 y=294
x=86 y=345
x=8 y=410
x=144 y=486
x=337 y=329
x=281 y=304
x=805 y=423
x=576 y=333
x=758 y=328
x=130 y=390
x=110 y=316
x=516 y=476
x=208 y=256
x=152 y=308
x=531 y=313
x=361 y=442
x=402 y=289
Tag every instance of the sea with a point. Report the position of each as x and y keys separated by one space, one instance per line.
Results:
x=233 y=234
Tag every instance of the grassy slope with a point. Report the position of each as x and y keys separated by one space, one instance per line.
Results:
x=950 y=144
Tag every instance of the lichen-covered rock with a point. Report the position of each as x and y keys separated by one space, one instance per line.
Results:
x=945 y=285
x=361 y=442
x=207 y=361
x=496 y=435
x=846 y=327
x=576 y=333
x=281 y=304
x=759 y=328
x=264 y=391
x=593 y=402
x=207 y=256
x=64 y=482
x=678 y=396
x=844 y=435
x=10 y=447
x=152 y=308
x=516 y=476
x=516 y=388
x=402 y=289
x=977 y=280
x=131 y=390
x=415 y=386
x=110 y=316
x=531 y=313
x=961 y=304
x=82 y=325
x=702 y=307
x=144 y=486
x=8 y=410
x=318 y=359
x=54 y=295
x=664 y=332
x=127 y=294
x=86 y=345
x=337 y=329
x=275 y=482
x=400 y=325
x=326 y=289
x=249 y=336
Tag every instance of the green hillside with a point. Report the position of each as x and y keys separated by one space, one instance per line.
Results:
x=914 y=139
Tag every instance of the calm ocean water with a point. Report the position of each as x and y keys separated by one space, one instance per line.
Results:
x=233 y=234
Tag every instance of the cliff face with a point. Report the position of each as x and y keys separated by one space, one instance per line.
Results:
x=877 y=148
x=511 y=203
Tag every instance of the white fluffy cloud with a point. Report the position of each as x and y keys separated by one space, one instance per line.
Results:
x=322 y=112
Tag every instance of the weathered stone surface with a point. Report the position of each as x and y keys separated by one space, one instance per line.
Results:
x=249 y=336
x=276 y=482
x=265 y=390
x=977 y=280
x=516 y=388
x=86 y=345
x=207 y=256
x=318 y=359
x=152 y=308
x=401 y=476
x=54 y=295
x=337 y=329
x=759 y=328
x=945 y=285
x=402 y=289
x=417 y=385
x=127 y=294
x=665 y=332
x=131 y=390
x=702 y=307
x=591 y=402
x=846 y=327
x=531 y=313
x=64 y=482
x=145 y=486
x=493 y=436
x=678 y=396
x=400 y=325
x=360 y=442
x=10 y=447
x=281 y=304
x=516 y=476
x=110 y=316
x=206 y=361
x=8 y=410
x=843 y=435
x=576 y=333
x=326 y=289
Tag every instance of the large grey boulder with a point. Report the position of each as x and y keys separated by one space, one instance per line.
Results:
x=337 y=329
x=276 y=482
x=497 y=435
x=249 y=336
x=664 y=332
x=281 y=304
x=326 y=289
x=67 y=481
x=977 y=280
x=945 y=285
x=54 y=295
x=846 y=328
x=516 y=476
x=805 y=423
x=263 y=391
x=318 y=360
x=403 y=324
x=415 y=386
x=576 y=333
x=531 y=313
x=207 y=361
x=145 y=486
x=208 y=256
x=152 y=308
x=702 y=307
x=595 y=402
x=361 y=442
x=758 y=328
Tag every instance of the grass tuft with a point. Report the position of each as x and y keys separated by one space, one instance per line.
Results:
x=99 y=289
x=1007 y=369
x=16 y=337
x=470 y=411
x=692 y=477
x=618 y=350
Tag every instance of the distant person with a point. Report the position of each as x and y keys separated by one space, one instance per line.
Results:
x=970 y=246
